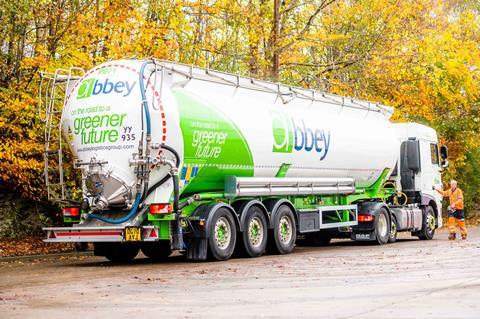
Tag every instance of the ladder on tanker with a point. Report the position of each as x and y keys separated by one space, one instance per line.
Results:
x=54 y=89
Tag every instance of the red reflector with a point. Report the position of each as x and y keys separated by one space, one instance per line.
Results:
x=366 y=218
x=51 y=235
x=71 y=211
x=158 y=209
x=153 y=233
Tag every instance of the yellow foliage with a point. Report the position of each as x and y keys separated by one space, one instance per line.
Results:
x=421 y=56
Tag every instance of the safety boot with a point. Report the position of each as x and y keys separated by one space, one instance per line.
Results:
x=452 y=236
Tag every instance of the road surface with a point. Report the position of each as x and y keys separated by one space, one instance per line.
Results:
x=408 y=279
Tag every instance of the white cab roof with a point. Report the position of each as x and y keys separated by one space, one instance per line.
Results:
x=419 y=131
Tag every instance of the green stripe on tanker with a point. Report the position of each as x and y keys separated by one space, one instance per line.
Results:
x=213 y=143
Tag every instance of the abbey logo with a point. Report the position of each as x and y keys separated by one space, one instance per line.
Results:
x=282 y=133
x=93 y=86
x=289 y=135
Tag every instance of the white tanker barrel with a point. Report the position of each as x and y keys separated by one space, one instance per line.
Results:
x=220 y=125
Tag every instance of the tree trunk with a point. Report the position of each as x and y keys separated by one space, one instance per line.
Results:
x=276 y=30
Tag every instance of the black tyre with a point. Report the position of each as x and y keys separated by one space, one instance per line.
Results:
x=121 y=252
x=382 y=227
x=254 y=236
x=428 y=229
x=281 y=239
x=393 y=231
x=223 y=234
x=315 y=239
x=158 y=251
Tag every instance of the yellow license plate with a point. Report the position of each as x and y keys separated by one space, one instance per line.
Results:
x=133 y=234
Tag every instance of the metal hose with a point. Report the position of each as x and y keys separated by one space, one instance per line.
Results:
x=121 y=220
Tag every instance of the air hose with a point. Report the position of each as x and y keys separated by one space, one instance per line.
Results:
x=178 y=233
x=121 y=220
x=144 y=96
x=138 y=197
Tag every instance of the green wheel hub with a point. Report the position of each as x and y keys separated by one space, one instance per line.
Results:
x=285 y=229
x=393 y=229
x=430 y=222
x=223 y=233
x=255 y=232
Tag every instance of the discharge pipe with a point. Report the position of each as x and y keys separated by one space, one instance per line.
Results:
x=121 y=220
x=177 y=243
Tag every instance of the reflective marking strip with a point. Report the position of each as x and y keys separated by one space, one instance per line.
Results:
x=189 y=173
x=195 y=171
x=184 y=173
x=90 y=233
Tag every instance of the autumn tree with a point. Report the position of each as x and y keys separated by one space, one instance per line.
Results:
x=420 y=56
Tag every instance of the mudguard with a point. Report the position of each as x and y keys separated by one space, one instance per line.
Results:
x=272 y=208
x=203 y=212
x=242 y=206
x=197 y=249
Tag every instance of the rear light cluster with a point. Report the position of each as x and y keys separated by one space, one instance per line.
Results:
x=160 y=209
x=366 y=218
x=71 y=211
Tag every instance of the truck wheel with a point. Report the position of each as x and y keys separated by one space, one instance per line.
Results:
x=223 y=234
x=281 y=239
x=254 y=236
x=393 y=230
x=157 y=251
x=382 y=227
x=121 y=252
x=428 y=229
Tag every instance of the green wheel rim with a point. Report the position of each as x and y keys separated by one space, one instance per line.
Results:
x=393 y=231
x=223 y=233
x=430 y=222
x=285 y=229
x=255 y=232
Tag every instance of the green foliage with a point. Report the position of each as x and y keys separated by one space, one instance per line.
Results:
x=469 y=181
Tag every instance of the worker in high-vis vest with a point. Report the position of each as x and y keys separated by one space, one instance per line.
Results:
x=455 y=210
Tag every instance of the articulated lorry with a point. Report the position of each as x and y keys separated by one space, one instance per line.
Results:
x=176 y=157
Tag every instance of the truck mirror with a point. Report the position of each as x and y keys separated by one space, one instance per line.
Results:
x=445 y=163
x=413 y=155
x=444 y=152
x=444 y=156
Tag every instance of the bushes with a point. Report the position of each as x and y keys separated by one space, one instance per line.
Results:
x=468 y=177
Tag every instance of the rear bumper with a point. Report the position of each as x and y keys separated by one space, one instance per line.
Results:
x=95 y=234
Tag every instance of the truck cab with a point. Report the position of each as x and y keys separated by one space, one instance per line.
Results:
x=415 y=206
x=419 y=165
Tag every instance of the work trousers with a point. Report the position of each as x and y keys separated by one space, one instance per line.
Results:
x=459 y=217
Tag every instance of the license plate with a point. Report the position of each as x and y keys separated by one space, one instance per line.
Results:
x=132 y=234
x=362 y=236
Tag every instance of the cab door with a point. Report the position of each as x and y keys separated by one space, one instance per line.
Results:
x=430 y=174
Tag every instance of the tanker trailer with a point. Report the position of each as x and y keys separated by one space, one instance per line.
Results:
x=176 y=157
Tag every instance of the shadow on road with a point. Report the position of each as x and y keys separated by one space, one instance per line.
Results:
x=177 y=258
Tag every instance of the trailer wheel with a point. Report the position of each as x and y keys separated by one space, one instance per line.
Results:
x=223 y=234
x=254 y=236
x=382 y=227
x=121 y=252
x=157 y=251
x=393 y=230
x=428 y=229
x=281 y=238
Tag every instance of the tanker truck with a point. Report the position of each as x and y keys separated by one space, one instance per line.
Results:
x=177 y=157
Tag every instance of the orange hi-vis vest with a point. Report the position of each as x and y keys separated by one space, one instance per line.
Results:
x=456 y=197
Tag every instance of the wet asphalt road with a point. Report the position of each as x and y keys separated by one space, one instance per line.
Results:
x=408 y=279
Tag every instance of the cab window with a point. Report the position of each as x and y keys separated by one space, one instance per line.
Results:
x=434 y=154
